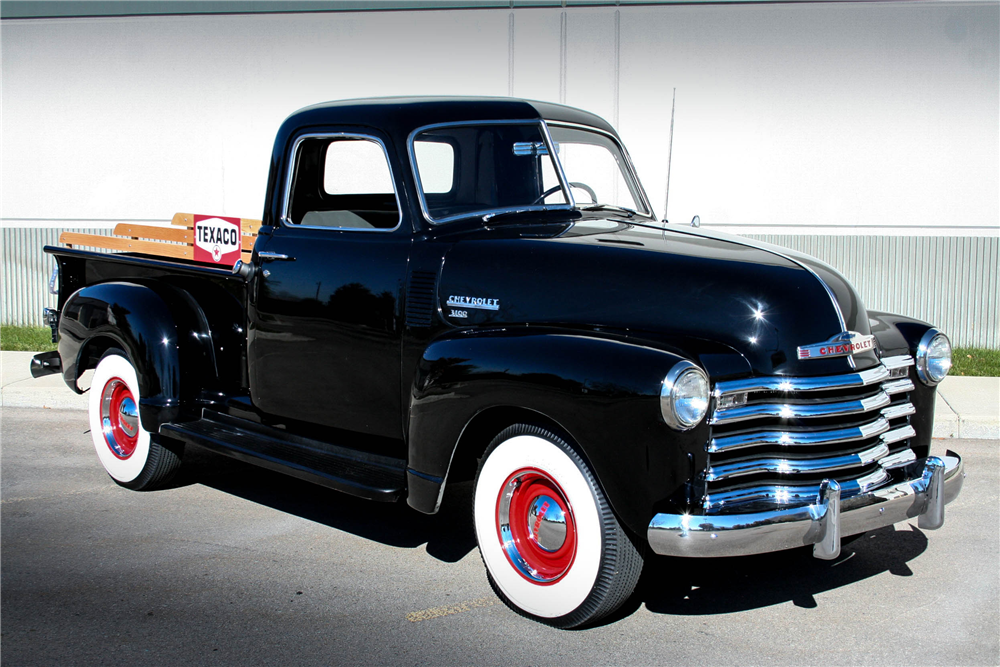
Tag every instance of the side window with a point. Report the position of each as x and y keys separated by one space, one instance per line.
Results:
x=342 y=182
x=356 y=167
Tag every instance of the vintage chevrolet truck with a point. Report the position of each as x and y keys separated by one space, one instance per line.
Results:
x=458 y=289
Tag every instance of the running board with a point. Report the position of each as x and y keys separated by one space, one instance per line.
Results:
x=355 y=472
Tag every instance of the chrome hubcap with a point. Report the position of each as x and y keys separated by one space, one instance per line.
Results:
x=536 y=527
x=128 y=417
x=119 y=418
x=547 y=523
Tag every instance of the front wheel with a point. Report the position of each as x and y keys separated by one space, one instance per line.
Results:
x=552 y=547
x=134 y=457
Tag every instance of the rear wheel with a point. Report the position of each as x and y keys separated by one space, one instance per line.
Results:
x=134 y=457
x=552 y=547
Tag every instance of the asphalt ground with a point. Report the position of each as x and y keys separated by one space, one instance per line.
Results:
x=233 y=565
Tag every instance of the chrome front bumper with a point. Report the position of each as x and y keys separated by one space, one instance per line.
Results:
x=931 y=484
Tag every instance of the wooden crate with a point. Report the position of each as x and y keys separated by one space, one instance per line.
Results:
x=175 y=242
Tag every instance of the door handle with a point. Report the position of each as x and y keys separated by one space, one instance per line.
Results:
x=267 y=256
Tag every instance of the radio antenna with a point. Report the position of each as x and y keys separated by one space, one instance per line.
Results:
x=670 y=154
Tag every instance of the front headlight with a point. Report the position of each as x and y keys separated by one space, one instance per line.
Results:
x=684 y=396
x=933 y=357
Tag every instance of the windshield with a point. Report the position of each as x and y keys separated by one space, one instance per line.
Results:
x=478 y=169
x=595 y=168
x=491 y=168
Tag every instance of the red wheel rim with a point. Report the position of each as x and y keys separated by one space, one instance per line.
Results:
x=536 y=527
x=119 y=418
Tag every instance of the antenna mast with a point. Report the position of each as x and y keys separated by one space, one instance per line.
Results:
x=670 y=154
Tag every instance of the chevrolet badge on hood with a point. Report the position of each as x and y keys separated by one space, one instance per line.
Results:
x=842 y=345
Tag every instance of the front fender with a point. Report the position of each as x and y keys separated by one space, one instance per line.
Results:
x=160 y=327
x=602 y=391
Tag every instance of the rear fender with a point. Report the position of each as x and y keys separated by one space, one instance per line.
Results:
x=602 y=392
x=160 y=327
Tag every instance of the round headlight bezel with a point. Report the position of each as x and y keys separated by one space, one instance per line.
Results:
x=929 y=343
x=678 y=380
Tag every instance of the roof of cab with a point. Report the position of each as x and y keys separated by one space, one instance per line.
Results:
x=399 y=116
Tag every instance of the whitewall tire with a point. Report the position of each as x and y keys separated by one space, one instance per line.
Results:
x=553 y=549
x=134 y=457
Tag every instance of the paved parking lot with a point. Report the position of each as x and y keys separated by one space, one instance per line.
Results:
x=235 y=565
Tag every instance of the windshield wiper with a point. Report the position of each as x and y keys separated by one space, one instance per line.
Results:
x=610 y=207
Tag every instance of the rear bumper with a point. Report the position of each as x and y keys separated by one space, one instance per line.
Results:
x=45 y=363
x=927 y=487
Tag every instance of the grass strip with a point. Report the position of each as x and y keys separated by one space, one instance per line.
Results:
x=975 y=362
x=26 y=339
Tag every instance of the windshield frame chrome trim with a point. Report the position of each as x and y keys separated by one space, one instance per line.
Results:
x=560 y=172
x=422 y=200
x=648 y=212
x=486 y=214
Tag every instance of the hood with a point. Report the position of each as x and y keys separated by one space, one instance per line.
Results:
x=673 y=285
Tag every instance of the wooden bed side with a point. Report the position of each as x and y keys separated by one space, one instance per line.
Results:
x=172 y=250
x=176 y=242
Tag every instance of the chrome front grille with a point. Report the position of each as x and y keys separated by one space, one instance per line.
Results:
x=775 y=439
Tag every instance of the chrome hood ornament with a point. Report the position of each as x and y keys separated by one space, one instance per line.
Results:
x=843 y=344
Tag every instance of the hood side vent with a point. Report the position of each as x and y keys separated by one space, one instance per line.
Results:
x=420 y=299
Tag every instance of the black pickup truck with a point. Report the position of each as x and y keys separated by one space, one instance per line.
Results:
x=449 y=289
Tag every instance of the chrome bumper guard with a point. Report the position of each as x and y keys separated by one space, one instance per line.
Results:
x=930 y=485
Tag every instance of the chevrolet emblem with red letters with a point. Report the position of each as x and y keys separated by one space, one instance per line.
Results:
x=842 y=345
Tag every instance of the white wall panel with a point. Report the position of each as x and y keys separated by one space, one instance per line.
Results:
x=536 y=54
x=799 y=117
x=590 y=60
x=141 y=117
x=841 y=114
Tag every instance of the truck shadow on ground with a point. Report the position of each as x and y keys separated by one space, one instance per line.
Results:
x=707 y=586
x=677 y=586
x=449 y=534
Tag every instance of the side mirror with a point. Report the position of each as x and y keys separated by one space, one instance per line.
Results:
x=696 y=221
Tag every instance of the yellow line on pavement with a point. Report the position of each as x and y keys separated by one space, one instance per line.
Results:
x=448 y=610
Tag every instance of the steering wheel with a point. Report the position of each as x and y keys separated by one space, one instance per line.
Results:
x=573 y=184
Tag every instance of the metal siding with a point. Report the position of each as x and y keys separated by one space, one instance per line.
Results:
x=949 y=281
x=26 y=271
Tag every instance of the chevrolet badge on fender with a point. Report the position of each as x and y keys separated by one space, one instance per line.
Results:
x=473 y=302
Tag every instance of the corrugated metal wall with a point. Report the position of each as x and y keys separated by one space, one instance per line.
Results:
x=26 y=271
x=948 y=281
